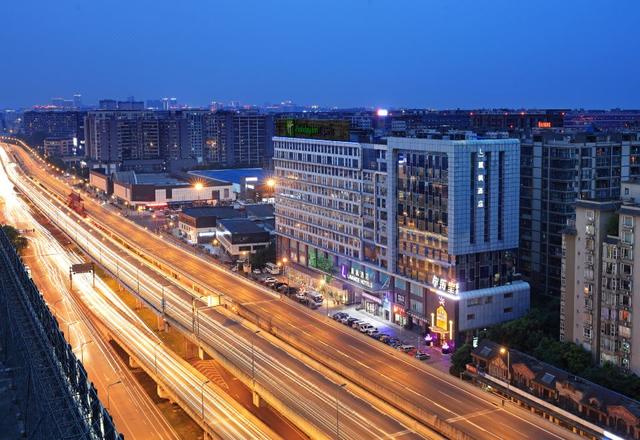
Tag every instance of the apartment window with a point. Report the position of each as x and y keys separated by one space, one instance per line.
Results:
x=627 y=221
x=626 y=269
x=471 y=316
x=627 y=237
x=508 y=295
x=587 y=333
x=508 y=309
x=589 y=215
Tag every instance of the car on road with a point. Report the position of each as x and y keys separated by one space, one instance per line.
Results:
x=300 y=297
x=394 y=342
x=279 y=284
x=422 y=355
x=406 y=348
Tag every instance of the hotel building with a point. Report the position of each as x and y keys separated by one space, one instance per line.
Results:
x=420 y=232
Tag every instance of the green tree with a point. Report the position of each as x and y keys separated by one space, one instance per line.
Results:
x=263 y=256
x=17 y=240
x=460 y=359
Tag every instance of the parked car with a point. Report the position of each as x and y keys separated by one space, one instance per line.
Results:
x=283 y=288
x=373 y=333
x=383 y=337
x=406 y=348
x=257 y=271
x=345 y=320
x=292 y=291
x=339 y=315
x=270 y=280
x=422 y=356
x=351 y=320
x=394 y=342
x=356 y=323
x=365 y=327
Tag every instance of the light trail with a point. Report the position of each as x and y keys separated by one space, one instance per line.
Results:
x=190 y=386
x=294 y=384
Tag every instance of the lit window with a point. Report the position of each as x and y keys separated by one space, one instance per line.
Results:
x=480 y=191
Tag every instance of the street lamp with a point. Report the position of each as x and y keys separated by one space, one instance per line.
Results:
x=338 y=410
x=108 y=388
x=284 y=268
x=253 y=360
x=198 y=186
x=504 y=350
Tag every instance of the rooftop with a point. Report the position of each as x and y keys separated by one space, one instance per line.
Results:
x=213 y=211
x=234 y=175
x=241 y=226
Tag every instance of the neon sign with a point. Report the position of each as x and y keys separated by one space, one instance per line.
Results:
x=446 y=286
x=358 y=276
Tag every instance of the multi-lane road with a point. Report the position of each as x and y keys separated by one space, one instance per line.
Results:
x=418 y=389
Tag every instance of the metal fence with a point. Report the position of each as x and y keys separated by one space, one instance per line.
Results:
x=55 y=397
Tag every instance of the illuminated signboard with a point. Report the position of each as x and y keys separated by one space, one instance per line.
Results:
x=441 y=318
x=446 y=286
x=358 y=276
x=544 y=124
x=332 y=130
x=480 y=183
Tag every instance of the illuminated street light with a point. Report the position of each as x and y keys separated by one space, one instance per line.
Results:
x=504 y=350
x=271 y=183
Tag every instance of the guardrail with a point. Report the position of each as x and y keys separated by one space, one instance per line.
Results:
x=57 y=399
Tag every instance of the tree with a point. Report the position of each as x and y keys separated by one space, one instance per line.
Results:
x=460 y=359
x=18 y=241
x=263 y=256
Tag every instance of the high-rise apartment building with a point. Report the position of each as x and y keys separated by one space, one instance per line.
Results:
x=237 y=139
x=556 y=170
x=599 y=280
x=419 y=231
x=41 y=124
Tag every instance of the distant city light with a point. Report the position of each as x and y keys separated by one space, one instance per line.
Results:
x=382 y=112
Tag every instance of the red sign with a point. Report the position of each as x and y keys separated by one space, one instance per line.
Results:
x=544 y=124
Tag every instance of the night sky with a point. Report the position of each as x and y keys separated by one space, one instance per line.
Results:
x=423 y=53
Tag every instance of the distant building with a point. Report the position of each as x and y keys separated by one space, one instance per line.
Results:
x=41 y=124
x=237 y=139
x=248 y=183
x=59 y=147
x=599 y=280
x=556 y=169
x=509 y=120
x=241 y=237
x=154 y=104
x=604 y=120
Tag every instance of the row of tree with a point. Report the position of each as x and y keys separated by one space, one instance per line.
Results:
x=18 y=241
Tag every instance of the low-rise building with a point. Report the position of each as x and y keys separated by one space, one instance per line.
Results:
x=161 y=190
x=198 y=225
x=101 y=181
x=241 y=237
x=591 y=402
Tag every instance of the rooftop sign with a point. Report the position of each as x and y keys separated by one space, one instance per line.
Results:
x=332 y=130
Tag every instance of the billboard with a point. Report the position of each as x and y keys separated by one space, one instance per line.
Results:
x=331 y=130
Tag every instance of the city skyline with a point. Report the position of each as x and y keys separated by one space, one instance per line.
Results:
x=460 y=55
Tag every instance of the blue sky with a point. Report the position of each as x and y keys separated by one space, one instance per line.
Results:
x=423 y=53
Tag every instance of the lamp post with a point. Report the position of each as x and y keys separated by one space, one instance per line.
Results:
x=253 y=360
x=109 y=388
x=504 y=350
x=338 y=410
x=198 y=186
x=284 y=268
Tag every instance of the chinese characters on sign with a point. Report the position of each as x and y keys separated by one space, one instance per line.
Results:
x=359 y=276
x=481 y=168
x=446 y=286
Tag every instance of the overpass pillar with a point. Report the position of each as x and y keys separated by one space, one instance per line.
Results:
x=133 y=363
x=162 y=324
x=189 y=349
x=257 y=401
x=162 y=393
x=203 y=355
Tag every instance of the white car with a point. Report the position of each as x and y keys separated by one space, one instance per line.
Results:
x=365 y=327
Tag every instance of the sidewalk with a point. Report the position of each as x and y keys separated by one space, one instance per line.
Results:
x=438 y=360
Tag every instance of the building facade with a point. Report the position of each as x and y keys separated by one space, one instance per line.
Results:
x=60 y=147
x=419 y=231
x=41 y=124
x=556 y=170
x=599 y=281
